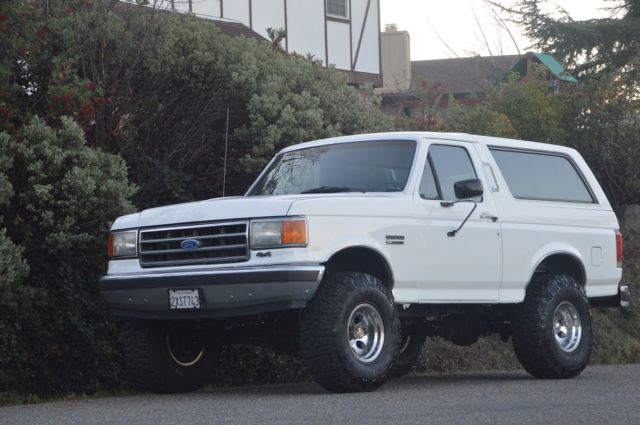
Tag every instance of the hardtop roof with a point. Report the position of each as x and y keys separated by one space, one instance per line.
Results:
x=425 y=135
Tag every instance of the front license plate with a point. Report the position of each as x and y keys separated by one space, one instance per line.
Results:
x=184 y=299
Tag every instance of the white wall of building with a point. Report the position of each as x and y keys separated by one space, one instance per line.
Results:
x=239 y=9
x=206 y=7
x=305 y=28
x=265 y=14
x=350 y=43
x=368 y=59
x=339 y=51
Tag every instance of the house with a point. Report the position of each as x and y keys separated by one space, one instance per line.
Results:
x=340 y=33
x=464 y=79
x=475 y=76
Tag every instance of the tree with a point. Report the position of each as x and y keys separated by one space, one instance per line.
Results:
x=156 y=87
x=605 y=123
x=603 y=111
x=592 y=46
x=534 y=112
x=481 y=119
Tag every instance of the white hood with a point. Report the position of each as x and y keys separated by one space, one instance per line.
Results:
x=239 y=207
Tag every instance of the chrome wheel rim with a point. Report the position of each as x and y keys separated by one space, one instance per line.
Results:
x=182 y=352
x=567 y=327
x=405 y=344
x=365 y=332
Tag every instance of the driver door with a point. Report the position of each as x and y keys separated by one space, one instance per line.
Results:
x=468 y=266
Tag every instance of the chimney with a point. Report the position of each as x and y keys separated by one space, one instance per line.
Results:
x=396 y=60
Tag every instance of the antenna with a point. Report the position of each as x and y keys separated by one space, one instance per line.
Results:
x=226 y=144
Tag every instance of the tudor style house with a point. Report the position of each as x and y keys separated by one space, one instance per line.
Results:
x=340 y=33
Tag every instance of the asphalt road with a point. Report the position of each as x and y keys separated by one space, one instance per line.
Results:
x=601 y=395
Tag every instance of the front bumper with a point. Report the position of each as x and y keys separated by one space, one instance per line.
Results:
x=223 y=292
x=622 y=299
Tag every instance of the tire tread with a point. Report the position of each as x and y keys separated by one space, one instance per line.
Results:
x=318 y=328
x=534 y=348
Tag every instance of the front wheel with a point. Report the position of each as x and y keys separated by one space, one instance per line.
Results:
x=166 y=358
x=552 y=327
x=349 y=333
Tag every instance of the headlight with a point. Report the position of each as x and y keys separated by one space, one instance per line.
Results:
x=278 y=233
x=123 y=244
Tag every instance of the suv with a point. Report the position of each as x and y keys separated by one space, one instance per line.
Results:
x=351 y=251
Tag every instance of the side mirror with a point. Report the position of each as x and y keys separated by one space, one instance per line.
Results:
x=465 y=189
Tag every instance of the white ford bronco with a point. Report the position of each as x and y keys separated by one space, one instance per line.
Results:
x=351 y=251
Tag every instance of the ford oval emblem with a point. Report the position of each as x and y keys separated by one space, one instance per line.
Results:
x=190 y=244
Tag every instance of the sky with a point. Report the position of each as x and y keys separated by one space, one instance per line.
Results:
x=435 y=24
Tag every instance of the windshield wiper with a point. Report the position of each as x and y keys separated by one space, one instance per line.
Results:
x=332 y=189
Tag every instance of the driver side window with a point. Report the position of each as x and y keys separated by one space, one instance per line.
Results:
x=445 y=166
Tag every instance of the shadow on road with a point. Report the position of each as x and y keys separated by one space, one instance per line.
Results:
x=408 y=383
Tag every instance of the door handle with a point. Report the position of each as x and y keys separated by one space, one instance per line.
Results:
x=489 y=216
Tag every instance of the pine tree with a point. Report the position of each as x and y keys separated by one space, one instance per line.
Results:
x=605 y=45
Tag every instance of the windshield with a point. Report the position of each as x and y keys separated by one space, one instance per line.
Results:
x=371 y=166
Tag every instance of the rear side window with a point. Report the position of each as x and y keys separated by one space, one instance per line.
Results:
x=542 y=176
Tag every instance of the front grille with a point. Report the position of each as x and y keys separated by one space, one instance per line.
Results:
x=218 y=243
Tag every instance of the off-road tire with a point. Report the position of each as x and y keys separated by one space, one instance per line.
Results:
x=150 y=365
x=324 y=342
x=409 y=351
x=534 y=339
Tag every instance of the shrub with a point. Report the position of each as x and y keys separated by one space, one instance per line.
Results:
x=155 y=87
x=55 y=336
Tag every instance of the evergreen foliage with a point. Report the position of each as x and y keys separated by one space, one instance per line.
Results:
x=156 y=87
x=602 y=113
x=54 y=336
x=607 y=44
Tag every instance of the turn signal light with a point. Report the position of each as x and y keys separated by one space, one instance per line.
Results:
x=294 y=232
x=110 y=245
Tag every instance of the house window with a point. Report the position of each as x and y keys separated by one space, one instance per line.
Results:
x=339 y=8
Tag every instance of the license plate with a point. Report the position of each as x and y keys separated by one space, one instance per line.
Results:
x=184 y=299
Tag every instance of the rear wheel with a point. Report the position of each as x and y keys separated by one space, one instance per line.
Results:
x=167 y=359
x=349 y=333
x=552 y=327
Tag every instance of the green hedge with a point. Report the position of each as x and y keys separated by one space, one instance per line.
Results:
x=60 y=197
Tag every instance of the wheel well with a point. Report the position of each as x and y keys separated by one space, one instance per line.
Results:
x=361 y=259
x=563 y=264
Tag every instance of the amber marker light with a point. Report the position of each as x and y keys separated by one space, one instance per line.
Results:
x=294 y=232
x=110 y=245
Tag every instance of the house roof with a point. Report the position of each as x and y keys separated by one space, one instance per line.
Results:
x=235 y=29
x=463 y=75
x=226 y=26
x=555 y=68
x=479 y=74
